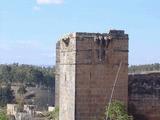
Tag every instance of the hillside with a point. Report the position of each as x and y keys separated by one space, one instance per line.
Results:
x=28 y=75
x=38 y=85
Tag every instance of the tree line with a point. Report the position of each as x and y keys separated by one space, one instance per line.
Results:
x=27 y=74
x=144 y=68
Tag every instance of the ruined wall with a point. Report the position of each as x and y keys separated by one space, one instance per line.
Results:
x=144 y=96
x=88 y=66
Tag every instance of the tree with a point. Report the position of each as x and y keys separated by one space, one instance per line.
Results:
x=22 y=90
x=6 y=95
x=5 y=73
x=144 y=68
x=117 y=111
x=27 y=74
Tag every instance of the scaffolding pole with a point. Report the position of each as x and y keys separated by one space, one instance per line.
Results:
x=114 y=85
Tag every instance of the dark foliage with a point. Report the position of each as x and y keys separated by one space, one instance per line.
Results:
x=22 y=90
x=144 y=84
x=6 y=95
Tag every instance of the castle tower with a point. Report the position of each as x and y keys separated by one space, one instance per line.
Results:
x=87 y=66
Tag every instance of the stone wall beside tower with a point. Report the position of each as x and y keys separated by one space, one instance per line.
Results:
x=144 y=95
x=87 y=67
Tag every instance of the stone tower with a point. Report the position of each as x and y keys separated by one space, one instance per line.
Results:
x=87 y=64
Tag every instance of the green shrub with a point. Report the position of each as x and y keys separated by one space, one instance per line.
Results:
x=117 y=111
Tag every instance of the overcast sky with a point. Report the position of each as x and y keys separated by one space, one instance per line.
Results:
x=29 y=29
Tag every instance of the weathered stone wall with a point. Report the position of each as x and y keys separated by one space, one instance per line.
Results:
x=67 y=53
x=88 y=66
x=97 y=61
x=144 y=96
x=57 y=74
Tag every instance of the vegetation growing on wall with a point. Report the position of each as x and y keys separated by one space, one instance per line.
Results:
x=54 y=115
x=117 y=111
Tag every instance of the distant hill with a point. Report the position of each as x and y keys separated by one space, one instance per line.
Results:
x=144 y=68
x=28 y=75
